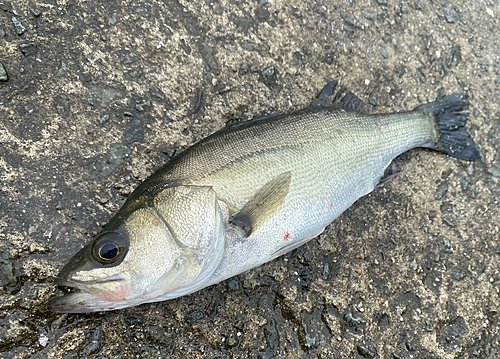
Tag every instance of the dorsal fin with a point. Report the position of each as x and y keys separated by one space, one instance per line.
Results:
x=240 y=124
x=342 y=99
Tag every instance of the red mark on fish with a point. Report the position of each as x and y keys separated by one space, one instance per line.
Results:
x=287 y=236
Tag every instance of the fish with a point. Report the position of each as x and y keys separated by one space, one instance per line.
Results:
x=250 y=193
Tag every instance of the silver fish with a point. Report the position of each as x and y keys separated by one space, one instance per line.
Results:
x=250 y=193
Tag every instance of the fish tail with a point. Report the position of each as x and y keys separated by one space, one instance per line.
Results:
x=451 y=114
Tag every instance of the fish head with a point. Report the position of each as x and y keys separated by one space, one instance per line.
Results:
x=166 y=249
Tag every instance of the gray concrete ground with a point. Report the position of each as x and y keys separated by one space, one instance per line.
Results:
x=95 y=95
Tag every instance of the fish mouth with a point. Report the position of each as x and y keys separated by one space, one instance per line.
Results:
x=81 y=297
x=78 y=302
x=72 y=285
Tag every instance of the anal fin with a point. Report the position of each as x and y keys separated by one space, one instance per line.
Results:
x=265 y=203
x=389 y=174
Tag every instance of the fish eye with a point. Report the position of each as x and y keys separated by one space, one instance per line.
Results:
x=109 y=247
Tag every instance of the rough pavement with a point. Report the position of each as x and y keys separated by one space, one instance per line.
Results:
x=95 y=95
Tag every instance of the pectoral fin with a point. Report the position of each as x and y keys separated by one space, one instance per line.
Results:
x=263 y=205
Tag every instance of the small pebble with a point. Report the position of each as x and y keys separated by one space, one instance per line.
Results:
x=194 y=316
x=169 y=152
x=489 y=12
x=441 y=191
x=449 y=16
x=429 y=327
x=465 y=183
x=35 y=12
x=421 y=75
x=28 y=48
x=419 y=5
x=349 y=19
x=384 y=53
x=129 y=58
x=365 y=352
x=315 y=332
x=93 y=341
x=353 y=321
x=404 y=8
x=20 y=29
x=449 y=221
x=268 y=72
x=233 y=285
x=368 y=15
x=413 y=265
x=104 y=119
x=232 y=341
x=43 y=340
x=140 y=106
x=113 y=20
x=3 y=73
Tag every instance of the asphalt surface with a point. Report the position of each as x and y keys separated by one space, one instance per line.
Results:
x=95 y=95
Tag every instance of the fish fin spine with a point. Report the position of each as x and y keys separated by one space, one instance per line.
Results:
x=341 y=99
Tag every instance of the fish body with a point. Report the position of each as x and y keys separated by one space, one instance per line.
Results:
x=247 y=194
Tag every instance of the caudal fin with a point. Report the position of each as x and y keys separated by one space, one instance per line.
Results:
x=451 y=113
